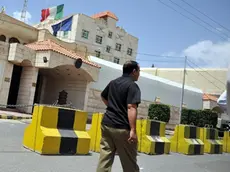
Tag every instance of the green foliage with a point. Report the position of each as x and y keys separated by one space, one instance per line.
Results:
x=199 y=117
x=159 y=111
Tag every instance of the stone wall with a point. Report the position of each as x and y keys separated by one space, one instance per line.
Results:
x=76 y=90
x=95 y=104
x=174 y=117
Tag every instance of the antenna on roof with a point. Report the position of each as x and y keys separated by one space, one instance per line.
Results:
x=24 y=9
x=3 y=9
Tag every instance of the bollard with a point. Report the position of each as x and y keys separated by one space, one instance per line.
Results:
x=212 y=144
x=152 y=138
x=186 y=140
x=56 y=130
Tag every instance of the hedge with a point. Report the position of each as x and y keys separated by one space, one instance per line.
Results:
x=199 y=118
x=160 y=112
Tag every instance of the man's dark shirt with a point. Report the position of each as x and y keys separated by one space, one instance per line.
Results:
x=119 y=93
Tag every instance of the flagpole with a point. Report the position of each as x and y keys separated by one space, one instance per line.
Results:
x=182 y=91
x=45 y=12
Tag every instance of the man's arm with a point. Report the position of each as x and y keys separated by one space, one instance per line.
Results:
x=104 y=100
x=133 y=99
x=104 y=95
x=132 y=116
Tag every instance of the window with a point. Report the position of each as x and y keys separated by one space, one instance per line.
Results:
x=98 y=53
x=108 y=48
x=118 y=47
x=85 y=34
x=3 y=38
x=116 y=60
x=65 y=34
x=110 y=35
x=14 y=40
x=130 y=51
x=98 y=39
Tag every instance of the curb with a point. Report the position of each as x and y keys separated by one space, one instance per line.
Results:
x=14 y=117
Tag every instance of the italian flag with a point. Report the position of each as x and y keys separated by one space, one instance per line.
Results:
x=53 y=13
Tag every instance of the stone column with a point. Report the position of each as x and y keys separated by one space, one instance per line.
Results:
x=27 y=88
x=86 y=96
x=6 y=70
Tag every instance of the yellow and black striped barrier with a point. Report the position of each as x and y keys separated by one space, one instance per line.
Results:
x=56 y=130
x=152 y=140
x=186 y=140
x=14 y=117
x=95 y=132
x=212 y=144
x=226 y=142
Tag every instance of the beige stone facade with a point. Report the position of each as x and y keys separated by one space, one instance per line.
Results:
x=35 y=66
x=98 y=35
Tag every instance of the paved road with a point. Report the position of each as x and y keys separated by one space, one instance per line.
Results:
x=14 y=158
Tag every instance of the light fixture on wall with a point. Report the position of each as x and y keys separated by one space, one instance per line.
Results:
x=45 y=60
x=78 y=63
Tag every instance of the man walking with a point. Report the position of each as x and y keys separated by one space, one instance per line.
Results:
x=122 y=97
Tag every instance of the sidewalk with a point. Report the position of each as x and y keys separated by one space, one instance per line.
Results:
x=13 y=115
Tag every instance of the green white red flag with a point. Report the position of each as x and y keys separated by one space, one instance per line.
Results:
x=52 y=13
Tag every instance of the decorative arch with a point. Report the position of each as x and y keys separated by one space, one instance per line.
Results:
x=14 y=40
x=2 y=38
x=70 y=70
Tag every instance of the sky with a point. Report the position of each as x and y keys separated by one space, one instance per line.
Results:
x=165 y=36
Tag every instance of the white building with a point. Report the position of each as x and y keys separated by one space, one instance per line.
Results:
x=152 y=87
x=100 y=35
x=210 y=81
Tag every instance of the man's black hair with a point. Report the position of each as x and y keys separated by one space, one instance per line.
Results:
x=129 y=66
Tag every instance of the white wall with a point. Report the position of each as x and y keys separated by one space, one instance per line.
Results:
x=169 y=92
x=207 y=80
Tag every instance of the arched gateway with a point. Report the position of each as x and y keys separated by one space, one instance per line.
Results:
x=47 y=68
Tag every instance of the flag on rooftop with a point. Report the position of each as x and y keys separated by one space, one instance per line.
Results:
x=64 y=25
x=52 y=13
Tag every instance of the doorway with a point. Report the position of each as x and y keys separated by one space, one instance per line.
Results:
x=38 y=90
x=14 y=86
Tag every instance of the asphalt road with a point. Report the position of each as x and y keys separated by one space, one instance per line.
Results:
x=14 y=158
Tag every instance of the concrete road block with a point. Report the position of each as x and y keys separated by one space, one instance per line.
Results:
x=95 y=132
x=212 y=144
x=152 y=138
x=226 y=142
x=56 y=130
x=186 y=140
